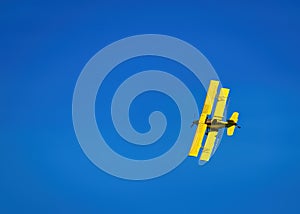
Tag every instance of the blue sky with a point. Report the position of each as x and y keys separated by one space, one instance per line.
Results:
x=254 y=48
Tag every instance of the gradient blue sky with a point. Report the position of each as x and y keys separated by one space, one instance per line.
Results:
x=253 y=46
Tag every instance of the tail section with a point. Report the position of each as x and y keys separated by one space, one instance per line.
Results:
x=233 y=118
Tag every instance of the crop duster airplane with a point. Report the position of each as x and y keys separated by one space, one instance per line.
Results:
x=212 y=126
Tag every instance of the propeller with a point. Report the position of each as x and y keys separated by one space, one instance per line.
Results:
x=194 y=121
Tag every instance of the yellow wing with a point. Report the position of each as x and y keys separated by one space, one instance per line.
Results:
x=210 y=97
x=198 y=139
x=207 y=109
x=221 y=104
x=209 y=145
x=218 y=115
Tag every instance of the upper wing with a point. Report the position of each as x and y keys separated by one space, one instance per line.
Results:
x=221 y=104
x=209 y=145
x=207 y=109
x=210 y=97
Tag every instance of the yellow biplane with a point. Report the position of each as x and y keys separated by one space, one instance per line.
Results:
x=212 y=126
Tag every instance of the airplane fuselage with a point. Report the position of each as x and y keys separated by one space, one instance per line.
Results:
x=215 y=125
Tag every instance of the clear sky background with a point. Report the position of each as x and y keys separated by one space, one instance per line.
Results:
x=253 y=46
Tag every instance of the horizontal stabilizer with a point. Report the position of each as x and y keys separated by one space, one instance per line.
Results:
x=234 y=117
x=230 y=130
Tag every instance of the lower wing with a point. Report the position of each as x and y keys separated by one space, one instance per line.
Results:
x=197 y=142
x=209 y=145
